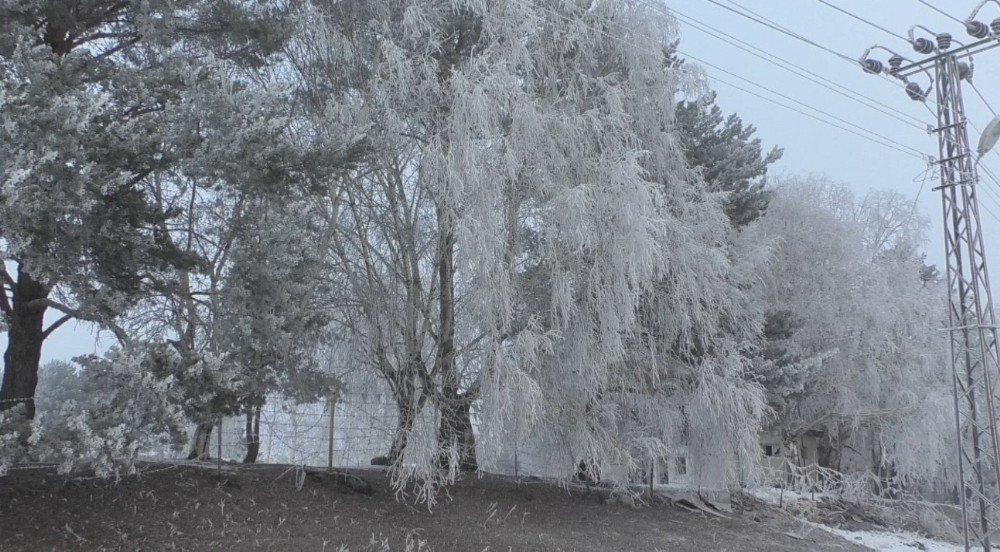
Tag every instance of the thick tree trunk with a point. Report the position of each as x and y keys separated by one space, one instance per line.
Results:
x=455 y=427
x=253 y=435
x=456 y=431
x=25 y=335
x=406 y=412
x=201 y=445
x=406 y=418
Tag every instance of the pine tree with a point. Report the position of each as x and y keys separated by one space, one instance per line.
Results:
x=731 y=159
x=99 y=97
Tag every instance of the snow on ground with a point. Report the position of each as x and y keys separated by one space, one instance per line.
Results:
x=885 y=541
x=777 y=497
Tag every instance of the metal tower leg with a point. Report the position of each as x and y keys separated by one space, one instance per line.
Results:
x=972 y=326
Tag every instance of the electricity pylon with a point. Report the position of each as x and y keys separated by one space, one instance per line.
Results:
x=975 y=361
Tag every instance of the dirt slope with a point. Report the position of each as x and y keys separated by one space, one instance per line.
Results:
x=189 y=508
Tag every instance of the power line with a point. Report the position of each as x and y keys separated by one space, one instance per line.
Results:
x=983 y=98
x=789 y=98
x=663 y=11
x=942 y=12
x=988 y=189
x=992 y=194
x=801 y=71
x=771 y=24
x=759 y=19
x=882 y=140
x=799 y=67
x=863 y=20
x=811 y=116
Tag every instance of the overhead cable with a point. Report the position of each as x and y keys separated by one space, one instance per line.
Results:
x=791 y=67
x=875 y=136
x=863 y=20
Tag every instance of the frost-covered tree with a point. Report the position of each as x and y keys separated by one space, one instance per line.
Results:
x=529 y=205
x=395 y=250
x=274 y=309
x=131 y=401
x=99 y=97
x=863 y=361
x=251 y=303
x=58 y=381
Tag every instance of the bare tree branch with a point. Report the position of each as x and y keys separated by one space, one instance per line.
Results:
x=6 y=276
x=71 y=313
x=5 y=307
x=55 y=325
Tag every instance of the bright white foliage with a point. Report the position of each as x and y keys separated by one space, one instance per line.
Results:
x=849 y=271
x=605 y=309
x=131 y=402
x=583 y=242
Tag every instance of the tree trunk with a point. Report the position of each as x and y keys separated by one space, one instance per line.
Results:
x=25 y=335
x=456 y=431
x=406 y=412
x=253 y=434
x=201 y=445
x=406 y=418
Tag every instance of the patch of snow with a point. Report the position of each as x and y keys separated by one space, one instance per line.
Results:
x=884 y=541
x=775 y=496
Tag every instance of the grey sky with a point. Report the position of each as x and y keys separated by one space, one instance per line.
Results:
x=810 y=146
x=813 y=147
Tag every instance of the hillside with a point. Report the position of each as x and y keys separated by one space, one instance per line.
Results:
x=190 y=508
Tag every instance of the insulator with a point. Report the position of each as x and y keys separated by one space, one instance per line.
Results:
x=977 y=29
x=995 y=25
x=964 y=71
x=895 y=63
x=873 y=66
x=923 y=45
x=944 y=41
x=915 y=93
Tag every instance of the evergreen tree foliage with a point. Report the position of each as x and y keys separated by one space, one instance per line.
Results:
x=98 y=97
x=732 y=161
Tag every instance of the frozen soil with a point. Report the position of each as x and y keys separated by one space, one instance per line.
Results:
x=264 y=508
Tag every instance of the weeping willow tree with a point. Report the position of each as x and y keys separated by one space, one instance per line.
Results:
x=531 y=225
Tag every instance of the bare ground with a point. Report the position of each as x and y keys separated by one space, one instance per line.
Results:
x=193 y=508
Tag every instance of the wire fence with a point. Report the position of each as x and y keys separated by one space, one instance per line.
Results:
x=356 y=431
x=342 y=434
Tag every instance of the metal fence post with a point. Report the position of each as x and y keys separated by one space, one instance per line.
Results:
x=219 y=448
x=331 y=404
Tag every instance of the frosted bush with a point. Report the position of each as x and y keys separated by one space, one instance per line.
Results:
x=13 y=426
x=132 y=400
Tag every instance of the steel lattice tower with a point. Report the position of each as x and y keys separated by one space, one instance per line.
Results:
x=975 y=361
x=971 y=321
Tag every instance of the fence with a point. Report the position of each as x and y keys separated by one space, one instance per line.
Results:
x=346 y=434
x=354 y=430
x=358 y=427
